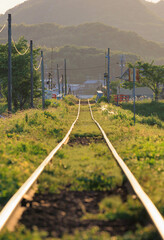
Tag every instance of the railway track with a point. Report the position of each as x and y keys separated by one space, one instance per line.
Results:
x=68 y=197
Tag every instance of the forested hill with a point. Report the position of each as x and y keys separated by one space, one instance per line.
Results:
x=89 y=34
x=157 y=8
x=124 y=14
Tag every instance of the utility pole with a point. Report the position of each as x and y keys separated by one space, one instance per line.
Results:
x=134 y=94
x=62 y=86
x=65 y=74
x=122 y=64
x=9 y=66
x=31 y=66
x=42 y=76
x=58 y=79
x=108 y=82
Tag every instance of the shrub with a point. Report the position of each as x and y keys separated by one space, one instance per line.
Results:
x=152 y=121
x=103 y=99
x=47 y=103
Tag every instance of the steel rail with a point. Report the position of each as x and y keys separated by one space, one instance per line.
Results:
x=12 y=204
x=153 y=212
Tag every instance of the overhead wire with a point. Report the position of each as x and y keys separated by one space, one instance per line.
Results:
x=37 y=68
x=85 y=68
x=22 y=54
x=3 y=27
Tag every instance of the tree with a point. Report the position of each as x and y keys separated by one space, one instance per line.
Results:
x=151 y=76
x=21 y=84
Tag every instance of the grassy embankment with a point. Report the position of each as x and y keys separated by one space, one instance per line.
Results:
x=141 y=146
x=91 y=167
x=26 y=139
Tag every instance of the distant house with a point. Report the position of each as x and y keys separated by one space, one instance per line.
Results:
x=74 y=87
x=93 y=82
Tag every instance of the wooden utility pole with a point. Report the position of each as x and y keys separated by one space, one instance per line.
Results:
x=9 y=66
x=58 y=79
x=65 y=74
x=134 y=94
x=108 y=82
x=42 y=76
x=62 y=86
x=31 y=66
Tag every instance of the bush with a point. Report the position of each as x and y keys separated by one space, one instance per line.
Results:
x=152 y=121
x=47 y=103
x=103 y=99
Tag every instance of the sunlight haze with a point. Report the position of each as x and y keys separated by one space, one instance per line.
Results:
x=6 y=5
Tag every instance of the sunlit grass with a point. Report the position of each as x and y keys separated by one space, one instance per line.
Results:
x=30 y=135
x=140 y=146
x=26 y=139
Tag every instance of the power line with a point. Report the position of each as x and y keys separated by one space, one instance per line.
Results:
x=22 y=54
x=3 y=28
x=37 y=68
x=86 y=68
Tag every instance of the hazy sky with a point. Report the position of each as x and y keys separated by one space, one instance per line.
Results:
x=7 y=4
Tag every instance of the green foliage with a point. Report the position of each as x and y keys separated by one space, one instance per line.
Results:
x=23 y=234
x=91 y=234
x=151 y=76
x=96 y=181
x=18 y=128
x=152 y=121
x=103 y=99
x=26 y=139
x=21 y=86
x=3 y=107
x=37 y=149
x=70 y=100
x=147 y=108
x=81 y=166
x=47 y=103
x=50 y=115
x=114 y=208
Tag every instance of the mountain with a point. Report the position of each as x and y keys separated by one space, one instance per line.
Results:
x=83 y=63
x=90 y=34
x=157 y=8
x=124 y=14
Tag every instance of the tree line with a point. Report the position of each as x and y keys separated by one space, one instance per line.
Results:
x=21 y=84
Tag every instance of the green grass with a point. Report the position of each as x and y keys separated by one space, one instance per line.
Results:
x=140 y=146
x=83 y=167
x=26 y=139
x=147 y=108
x=30 y=135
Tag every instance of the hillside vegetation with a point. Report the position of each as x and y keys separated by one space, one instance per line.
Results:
x=90 y=34
x=83 y=63
x=124 y=14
